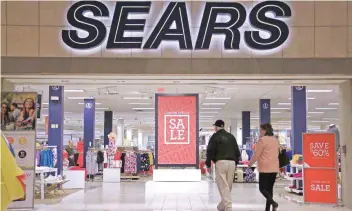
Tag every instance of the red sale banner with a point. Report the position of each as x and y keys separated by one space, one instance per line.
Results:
x=320 y=169
x=177 y=130
x=320 y=186
x=319 y=150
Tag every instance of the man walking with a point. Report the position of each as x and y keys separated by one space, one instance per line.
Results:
x=224 y=152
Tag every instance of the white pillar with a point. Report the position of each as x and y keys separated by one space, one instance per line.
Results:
x=128 y=134
x=145 y=141
x=120 y=131
x=135 y=136
x=140 y=141
x=233 y=124
x=345 y=140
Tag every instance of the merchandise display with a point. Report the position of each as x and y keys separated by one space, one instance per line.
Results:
x=295 y=175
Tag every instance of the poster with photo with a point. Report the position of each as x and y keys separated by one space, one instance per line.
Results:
x=18 y=123
x=18 y=111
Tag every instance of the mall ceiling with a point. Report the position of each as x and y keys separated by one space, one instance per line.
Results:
x=133 y=100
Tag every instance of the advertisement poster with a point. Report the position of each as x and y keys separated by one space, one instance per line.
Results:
x=177 y=130
x=18 y=123
x=320 y=186
x=320 y=168
x=39 y=105
x=319 y=150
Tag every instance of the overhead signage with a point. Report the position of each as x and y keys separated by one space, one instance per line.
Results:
x=176 y=142
x=173 y=25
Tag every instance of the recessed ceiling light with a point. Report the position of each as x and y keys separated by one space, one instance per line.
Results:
x=315 y=112
x=136 y=98
x=326 y=108
x=80 y=98
x=335 y=104
x=206 y=117
x=320 y=90
x=139 y=103
x=308 y=98
x=45 y=103
x=211 y=108
x=142 y=108
x=208 y=112
x=214 y=103
x=331 y=118
x=101 y=108
x=218 y=98
x=73 y=90
x=95 y=103
x=280 y=108
x=284 y=121
x=275 y=112
x=284 y=103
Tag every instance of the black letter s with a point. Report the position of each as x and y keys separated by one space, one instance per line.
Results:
x=96 y=29
x=278 y=29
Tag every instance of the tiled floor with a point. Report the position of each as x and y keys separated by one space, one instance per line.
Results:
x=131 y=196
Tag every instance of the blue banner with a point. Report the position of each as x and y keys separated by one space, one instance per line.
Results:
x=264 y=111
x=299 y=117
x=89 y=125
x=56 y=122
x=108 y=118
x=246 y=126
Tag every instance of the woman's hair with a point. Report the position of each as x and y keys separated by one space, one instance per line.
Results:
x=269 y=131
x=7 y=107
x=24 y=103
x=14 y=105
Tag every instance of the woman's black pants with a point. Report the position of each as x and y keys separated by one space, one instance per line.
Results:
x=266 y=186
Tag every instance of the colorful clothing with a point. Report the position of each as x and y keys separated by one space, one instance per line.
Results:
x=131 y=163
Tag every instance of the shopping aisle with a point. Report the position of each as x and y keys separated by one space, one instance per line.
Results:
x=131 y=196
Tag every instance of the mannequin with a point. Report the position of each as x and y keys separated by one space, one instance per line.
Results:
x=80 y=150
x=333 y=129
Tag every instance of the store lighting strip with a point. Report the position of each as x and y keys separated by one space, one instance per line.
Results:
x=211 y=108
x=326 y=108
x=218 y=98
x=135 y=98
x=143 y=108
x=214 y=104
x=308 y=98
x=80 y=98
x=73 y=90
x=280 y=108
x=315 y=112
x=139 y=103
x=320 y=90
x=334 y=104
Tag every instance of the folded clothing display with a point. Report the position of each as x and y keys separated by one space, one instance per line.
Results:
x=297 y=175
x=297 y=159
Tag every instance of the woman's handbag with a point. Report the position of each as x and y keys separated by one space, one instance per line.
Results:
x=283 y=158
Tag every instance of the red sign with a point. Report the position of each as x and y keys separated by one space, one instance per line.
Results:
x=320 y=170
x=177 y=130
x=319 y=150
x=320 y=186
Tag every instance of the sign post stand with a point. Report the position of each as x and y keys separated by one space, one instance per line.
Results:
x=320 y=168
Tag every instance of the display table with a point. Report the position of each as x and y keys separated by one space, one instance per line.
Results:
x=76 y=179
x=42 y=171
x=112 y=175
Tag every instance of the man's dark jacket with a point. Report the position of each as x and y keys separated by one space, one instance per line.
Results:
x=222 y=146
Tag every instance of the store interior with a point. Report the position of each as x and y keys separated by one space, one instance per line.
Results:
x=133 y=101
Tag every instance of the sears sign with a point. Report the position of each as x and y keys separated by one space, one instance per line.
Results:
x=173 y=25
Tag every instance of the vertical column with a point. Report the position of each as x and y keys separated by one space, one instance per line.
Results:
x=246 y=126
x=299 y=117
x=120 y=131
x=140 y=141
x=56 y=122
x=89 y=125
x=345 y=141
x=264 y=111
x=108 y=117
x=233 y=124
x=135 y=136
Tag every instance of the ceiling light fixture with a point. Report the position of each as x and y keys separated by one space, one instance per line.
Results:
x=143 y=108
x=331 y=118
x=208 y=112
x=320 y=90
x=45 y=103
x=284 y=103
x=280 y=108
x=73 y=90
x=214 y=103
x=101 y=108
x=335 y=104
x=211 y=108
x=218 y=98
x=326 y=108
x=206 y=117
x=136 y=98
x=275 y=112
x=315 y=112
x=139 y=103
x=80 y=98
x=308 y=98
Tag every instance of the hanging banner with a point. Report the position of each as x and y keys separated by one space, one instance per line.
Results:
x=320 y=168
x=18 y=125
x=177 y=130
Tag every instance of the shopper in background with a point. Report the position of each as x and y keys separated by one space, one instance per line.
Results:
x=223 y=150
x=267 y=155
x=5 y=117
x=70 y=152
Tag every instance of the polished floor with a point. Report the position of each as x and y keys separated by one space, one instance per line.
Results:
x=131 y=196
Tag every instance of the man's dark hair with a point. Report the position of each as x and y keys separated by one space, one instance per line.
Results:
x=14 y=105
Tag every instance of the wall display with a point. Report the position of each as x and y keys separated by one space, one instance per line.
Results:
x=18 y=111
x=320 y=168
x=177 y=130
x=18 y=118
x=174 y=25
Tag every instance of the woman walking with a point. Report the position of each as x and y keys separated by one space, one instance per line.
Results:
x=267 y=155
